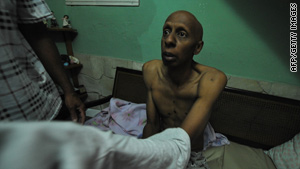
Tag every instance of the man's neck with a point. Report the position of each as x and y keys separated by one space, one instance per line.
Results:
x=178 y=75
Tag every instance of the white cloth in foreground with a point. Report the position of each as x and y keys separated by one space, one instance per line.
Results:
x=47 y=145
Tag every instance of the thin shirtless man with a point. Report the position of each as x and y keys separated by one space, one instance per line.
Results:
x=181 y=92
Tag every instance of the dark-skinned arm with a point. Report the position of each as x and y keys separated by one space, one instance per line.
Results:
x=153 y=126
x=209 y=89
x=37 y=36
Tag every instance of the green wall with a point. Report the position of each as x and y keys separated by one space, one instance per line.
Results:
x=246 y=39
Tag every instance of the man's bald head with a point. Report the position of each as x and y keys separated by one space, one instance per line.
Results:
x=191 y=20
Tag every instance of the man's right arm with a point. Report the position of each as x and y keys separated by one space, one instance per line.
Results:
x=37 y=36
x=152 y=127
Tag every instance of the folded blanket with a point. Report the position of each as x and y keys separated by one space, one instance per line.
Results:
x=121 y=117
x=127 y=118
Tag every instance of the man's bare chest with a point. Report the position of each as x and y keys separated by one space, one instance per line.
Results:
x=172 y=102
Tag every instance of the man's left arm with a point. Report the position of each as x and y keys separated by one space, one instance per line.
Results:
x=37 y=36
x=210 y=87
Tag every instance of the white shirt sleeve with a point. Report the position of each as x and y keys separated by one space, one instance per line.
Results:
x=46 y=145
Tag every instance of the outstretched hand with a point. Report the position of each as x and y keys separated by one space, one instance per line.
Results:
x=74 y=105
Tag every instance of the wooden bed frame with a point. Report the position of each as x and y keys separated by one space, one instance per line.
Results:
x=254 y=119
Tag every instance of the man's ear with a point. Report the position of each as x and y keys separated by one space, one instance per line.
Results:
x=198 y=47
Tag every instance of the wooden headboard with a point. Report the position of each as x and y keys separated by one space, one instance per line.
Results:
x=255 y=119
x=129 y=85
x=250 y=118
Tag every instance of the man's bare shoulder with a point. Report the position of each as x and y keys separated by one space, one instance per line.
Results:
x=151 y=68
x=209 y=72
x=150 y=71
x=211 y=77
x=151 y=65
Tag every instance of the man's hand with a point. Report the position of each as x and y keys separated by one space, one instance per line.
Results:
x=74 y=104
x=42 y=44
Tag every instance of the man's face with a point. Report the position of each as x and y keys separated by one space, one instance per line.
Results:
x=179 y=39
